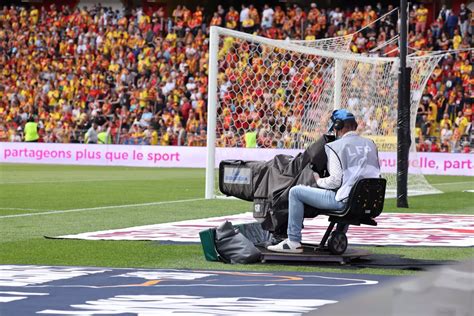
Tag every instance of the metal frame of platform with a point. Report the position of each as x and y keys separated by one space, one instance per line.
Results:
x=313 y=254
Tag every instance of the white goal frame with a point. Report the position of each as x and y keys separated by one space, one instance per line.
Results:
x=217 y=32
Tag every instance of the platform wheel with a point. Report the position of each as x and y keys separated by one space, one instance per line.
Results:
x=337 y=243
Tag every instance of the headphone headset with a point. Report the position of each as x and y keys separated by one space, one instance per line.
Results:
x=338 y=124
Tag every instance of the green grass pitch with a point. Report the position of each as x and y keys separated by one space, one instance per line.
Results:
x=30 y=189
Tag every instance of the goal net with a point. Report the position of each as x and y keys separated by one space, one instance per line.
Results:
x=285 y=92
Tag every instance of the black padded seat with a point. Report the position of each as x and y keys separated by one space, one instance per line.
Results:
x=364 y=204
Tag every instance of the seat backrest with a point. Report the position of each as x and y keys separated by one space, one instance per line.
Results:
x=367 y=197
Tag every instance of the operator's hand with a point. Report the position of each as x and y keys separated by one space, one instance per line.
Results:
x=316 y=176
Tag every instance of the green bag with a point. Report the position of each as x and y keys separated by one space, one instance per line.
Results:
x=225 y=243
x=208 y=243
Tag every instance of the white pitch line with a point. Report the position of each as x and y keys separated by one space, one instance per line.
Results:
x=99 y=208
x=19 y=209
x=71 y=181
x=451 y=183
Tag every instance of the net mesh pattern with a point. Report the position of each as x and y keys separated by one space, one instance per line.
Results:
x=334 y=44
x=286 y=95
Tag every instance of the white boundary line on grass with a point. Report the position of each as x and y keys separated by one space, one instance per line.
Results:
x=72 y=181
x=129 y=205
x=110 y=180
x=20 y=209
x=451 y=183
x=98 y=208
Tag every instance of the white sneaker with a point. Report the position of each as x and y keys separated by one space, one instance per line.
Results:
x=287 y=246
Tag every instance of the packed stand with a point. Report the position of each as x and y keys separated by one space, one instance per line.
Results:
x=99 y=76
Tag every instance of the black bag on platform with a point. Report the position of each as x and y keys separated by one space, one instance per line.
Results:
x=233 y=247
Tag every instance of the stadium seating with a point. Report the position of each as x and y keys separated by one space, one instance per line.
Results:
x=146 y=75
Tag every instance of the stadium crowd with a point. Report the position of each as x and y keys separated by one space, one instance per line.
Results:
x=99 y=76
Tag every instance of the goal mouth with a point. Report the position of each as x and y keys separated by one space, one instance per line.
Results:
x=274 y=94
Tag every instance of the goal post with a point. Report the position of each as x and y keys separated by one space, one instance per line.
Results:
x=212 y=111
x=338 y=69
x=285 y=92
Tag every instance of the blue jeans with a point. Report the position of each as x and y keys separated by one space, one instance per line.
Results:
x=319 y=198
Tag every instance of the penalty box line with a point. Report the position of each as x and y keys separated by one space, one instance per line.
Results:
x=98 y=208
